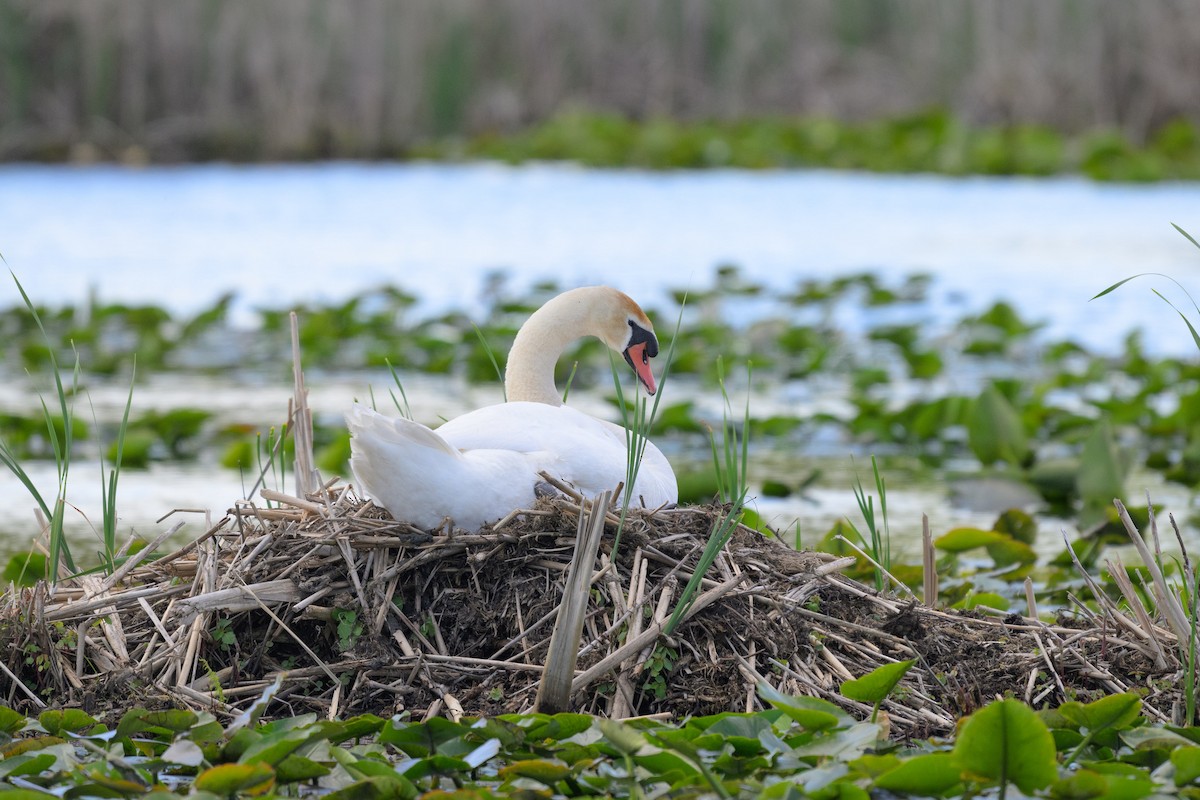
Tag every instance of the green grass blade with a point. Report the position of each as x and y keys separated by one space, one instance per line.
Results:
x=109 y=482
x=487 y=348
x=1186 y=321
x=406 y=410
x=1186 y=235
x=1121 y=283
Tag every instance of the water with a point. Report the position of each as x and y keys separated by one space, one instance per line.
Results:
x=180 y=236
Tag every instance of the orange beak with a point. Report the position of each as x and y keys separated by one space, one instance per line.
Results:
x=639 y=359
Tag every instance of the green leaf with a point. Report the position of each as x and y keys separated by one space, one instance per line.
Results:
x=421 y=739
x=1101 y=476
x=1083 y=785
x=1186 y=761
x=376 y=787
x=174 y=720
x=994 y=430
x=71 y=720
x=294 y=769
x=621 y=736
x=1007 y=743
x=959 y=540
x=11 y=721
x=877 y=684
x=434 y=765
x=1117 y=711
x=1018 y=524
x=26 y=764
x=1010 y=551
x=275 y=747
x=989 y=599
x=539 y=769
x=929 y=774
x=811 y=713
x=229 y=779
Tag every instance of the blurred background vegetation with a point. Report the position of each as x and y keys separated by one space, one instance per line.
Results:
x=139 y=80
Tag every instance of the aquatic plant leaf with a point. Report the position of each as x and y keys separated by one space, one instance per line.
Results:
x=878 y=683
x=25 y=569
x=1125 y=781
x=989 y=599
x=1101 y=476
x=928 y=774
x=812 y=713
x=844 y=745
x=433 y=765
x=11 y=721
x=1083 y=785
x=71 y=720
x=872 y=765
x=175 y=720
x=1186 y=761
x=1005 y=742
x=230 y=779
x=185 y=752
x=423 y=738
x=960 y=540
x=1018 y=524
x=376 y=787
x=1117 y=711
x=1010 y=551
x=296 y=768
x=994 y=430
x=275 y=747
x=25 y=764
x=621 y=736
x=539 y=769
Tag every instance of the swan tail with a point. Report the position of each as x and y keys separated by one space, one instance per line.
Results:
x=363 y=422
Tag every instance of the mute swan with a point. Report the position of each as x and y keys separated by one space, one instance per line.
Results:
x=480 y=466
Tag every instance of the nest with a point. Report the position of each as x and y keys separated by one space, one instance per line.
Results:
x=353 y=612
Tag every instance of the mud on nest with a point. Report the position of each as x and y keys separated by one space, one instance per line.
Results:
x=355 y=612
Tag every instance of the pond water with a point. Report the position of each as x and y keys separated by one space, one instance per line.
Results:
x=180 y=236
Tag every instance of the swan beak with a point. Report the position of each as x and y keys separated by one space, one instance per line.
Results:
x=639 y=359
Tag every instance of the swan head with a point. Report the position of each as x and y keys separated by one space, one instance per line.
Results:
x=629 y=331
x=600 y=311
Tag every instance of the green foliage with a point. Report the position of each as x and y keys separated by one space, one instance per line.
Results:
x=795 y=742
x=1007 y=743
x=930 y=141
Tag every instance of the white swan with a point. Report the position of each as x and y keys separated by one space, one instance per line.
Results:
x=480 y=466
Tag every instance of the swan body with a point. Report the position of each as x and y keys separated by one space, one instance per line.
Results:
x=479 y=467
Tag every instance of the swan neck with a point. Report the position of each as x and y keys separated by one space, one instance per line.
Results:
x=529 y=375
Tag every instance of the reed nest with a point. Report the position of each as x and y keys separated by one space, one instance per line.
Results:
x=354 y=612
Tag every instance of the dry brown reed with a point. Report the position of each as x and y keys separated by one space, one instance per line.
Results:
x=308 y=78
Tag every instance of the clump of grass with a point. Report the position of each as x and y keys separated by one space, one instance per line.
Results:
x=60 y=551
x=108 y=481
x=879 y=539
x=730 y=460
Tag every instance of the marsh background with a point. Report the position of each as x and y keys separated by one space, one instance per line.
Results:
x=181 y=175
